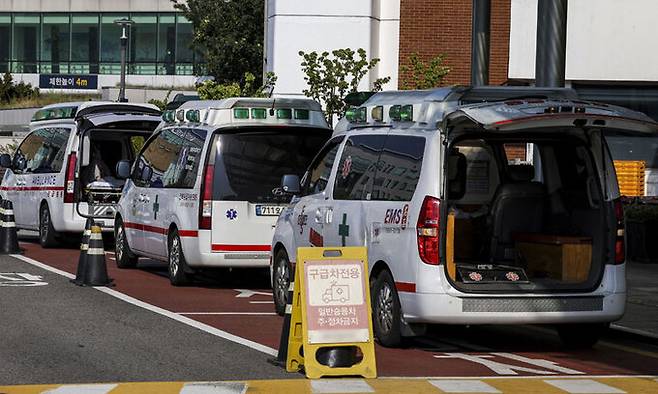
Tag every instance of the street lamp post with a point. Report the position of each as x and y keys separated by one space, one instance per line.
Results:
x=124 y=23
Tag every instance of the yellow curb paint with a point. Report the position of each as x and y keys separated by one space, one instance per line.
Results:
x=632 y=385
x=279 y=386
x=148 y=388
x=523 y=386
x=30 y=389
x=402 y=386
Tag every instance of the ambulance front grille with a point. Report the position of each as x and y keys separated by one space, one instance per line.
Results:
x=542 y=304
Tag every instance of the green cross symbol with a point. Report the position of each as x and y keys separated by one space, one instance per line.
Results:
x=156 y=208
x=344 y=229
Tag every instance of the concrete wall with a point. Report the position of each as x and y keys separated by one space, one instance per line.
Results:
x=326 y=25
x=16 y=120
x=85 y=5
x=607 y=40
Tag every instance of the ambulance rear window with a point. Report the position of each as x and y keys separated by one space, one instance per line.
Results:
x=249 y=164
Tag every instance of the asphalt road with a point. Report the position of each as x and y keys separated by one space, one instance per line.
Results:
x=61 y=333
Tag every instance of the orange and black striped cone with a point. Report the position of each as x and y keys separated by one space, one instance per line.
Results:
x=9 y=237
x=82 y=260
x=95 y=269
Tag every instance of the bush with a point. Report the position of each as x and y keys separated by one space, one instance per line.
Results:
x=211 y=90
x=423 y=75
x=11 y=92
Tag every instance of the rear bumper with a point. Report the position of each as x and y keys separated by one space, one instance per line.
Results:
x=198 y=254
x=446 y=309
x=436 y=301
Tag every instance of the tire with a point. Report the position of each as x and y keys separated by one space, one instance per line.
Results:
x=386 y=311
x=281 y=278
x=177 y=264
x=47 y=234
x=581 y=336
x=124 y=256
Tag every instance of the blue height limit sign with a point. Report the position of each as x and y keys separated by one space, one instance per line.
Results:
x=68 y=81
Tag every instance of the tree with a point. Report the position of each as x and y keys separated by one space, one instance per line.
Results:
x=423 y=75
x=211 y=90
x=228 y=33
x=331 y=77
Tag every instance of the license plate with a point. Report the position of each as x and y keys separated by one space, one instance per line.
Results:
x=269 y=210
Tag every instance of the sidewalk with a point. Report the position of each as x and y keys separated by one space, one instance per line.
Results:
x=642 y=304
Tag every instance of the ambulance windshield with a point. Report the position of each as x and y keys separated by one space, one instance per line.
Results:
x=249 y=165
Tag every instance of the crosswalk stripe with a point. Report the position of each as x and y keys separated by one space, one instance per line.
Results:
x=82 y=389
x=340 y=386
x=583 y=386
x=214 y=388
x=463 y=386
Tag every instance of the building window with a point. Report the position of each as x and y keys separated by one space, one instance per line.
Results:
x=5 y=42
x=84 y=44
x=26 y=43
x=111 y=44
x=143 y=39
x=184 y=53
x=166 y=44
x=89 y=43
x=55 y=44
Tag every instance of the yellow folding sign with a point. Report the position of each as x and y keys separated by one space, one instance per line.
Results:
x=331 y=309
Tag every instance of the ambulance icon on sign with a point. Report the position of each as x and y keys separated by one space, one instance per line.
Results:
x=336 y=293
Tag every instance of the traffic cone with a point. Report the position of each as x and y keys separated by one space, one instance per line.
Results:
x=9 y=239
x=82 y=260
x=282 y=355
x=95 y=269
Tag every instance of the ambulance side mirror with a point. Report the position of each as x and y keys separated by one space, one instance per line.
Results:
x=5 y=160
x=290 y=184
x=123 y=169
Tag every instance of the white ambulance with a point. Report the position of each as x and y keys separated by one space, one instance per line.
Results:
x=204 y=191
x=63 y=170
x=478 y=206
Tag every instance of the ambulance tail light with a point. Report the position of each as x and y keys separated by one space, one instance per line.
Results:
x=620 y=250
x=205 y=208
x=428 y=231
x=69 y=180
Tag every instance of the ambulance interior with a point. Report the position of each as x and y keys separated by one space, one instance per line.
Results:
x=524 y=214
x=101 y=151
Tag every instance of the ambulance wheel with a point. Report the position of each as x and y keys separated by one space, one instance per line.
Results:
x=124 y=256
x=177 y=264
x=386 y=311
x=281 y=273
x=581 y=336
x=47 y=233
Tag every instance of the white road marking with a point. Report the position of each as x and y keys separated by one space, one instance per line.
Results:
x=340 y=386
x=497 y=367
x=214 y=388
x=244 y=293
x=229 y=313
x=185 y=320
x=83 y=389
x=583 y=386
x=463 y=386
x=540 y=363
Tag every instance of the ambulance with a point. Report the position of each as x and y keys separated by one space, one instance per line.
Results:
x=204 y=190
x=63 y=170
x=488 y=205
